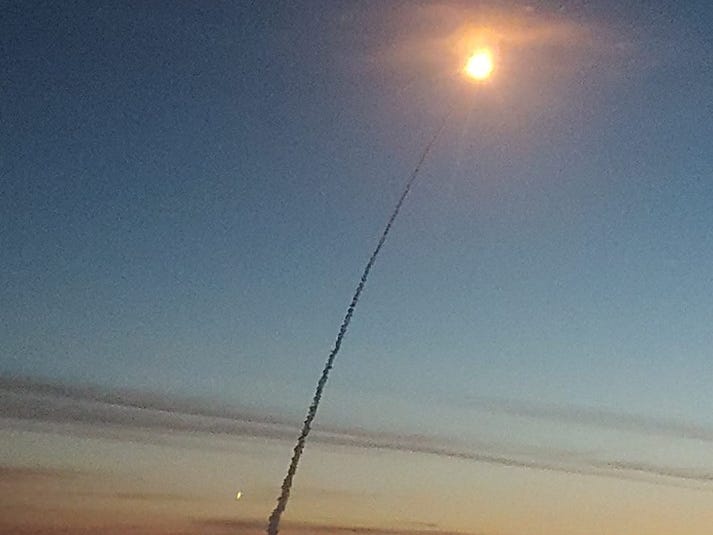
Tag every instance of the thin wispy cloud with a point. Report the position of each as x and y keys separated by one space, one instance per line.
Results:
x=213 y=526
x=240 y=525
x=601 y=418
x=143 y=416
x=18 y=474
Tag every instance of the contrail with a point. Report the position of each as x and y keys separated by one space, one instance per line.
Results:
x=274 y=520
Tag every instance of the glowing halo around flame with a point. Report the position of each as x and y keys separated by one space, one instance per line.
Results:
x=479 y=65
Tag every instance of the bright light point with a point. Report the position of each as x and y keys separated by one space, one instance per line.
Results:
x=238 y=495
x=479 y=65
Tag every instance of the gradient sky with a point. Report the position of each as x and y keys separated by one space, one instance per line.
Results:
x=189 y=192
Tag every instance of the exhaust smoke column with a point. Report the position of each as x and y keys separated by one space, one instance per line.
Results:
x=274 y=520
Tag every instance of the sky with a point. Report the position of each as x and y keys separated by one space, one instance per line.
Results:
x=189 y=192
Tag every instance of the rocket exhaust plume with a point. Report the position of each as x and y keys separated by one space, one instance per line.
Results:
x=274 y=520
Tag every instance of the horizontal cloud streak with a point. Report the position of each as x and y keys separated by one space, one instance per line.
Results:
x=16 y=474
x=239 y=525
x=115 y=414
x=648 y=425
x=208 y=526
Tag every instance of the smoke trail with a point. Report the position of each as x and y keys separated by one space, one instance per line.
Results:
x=274 y=520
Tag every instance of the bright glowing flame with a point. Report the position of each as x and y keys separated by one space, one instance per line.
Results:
x=480 y=64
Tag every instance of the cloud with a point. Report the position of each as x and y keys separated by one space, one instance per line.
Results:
x=118 y=413
x=143 y=416
x=33 y=400
x=647 y=425
x=74 y=483
x=675 y=473
x=13 y=528
x=20 y=474
x=206 y=526
x=240 y=525
x=138 y=399
x=47 y=501
x=151 y=497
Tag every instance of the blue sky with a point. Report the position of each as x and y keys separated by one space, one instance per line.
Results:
x=190 y=192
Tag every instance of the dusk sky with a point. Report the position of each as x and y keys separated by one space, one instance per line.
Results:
x=189 y=192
